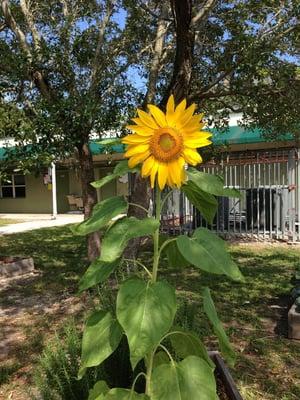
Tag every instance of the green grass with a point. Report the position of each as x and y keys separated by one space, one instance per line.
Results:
x=253 y=313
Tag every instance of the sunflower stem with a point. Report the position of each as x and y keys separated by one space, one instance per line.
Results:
x=156 y=235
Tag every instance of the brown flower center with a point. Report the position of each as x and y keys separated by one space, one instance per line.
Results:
x=166 y=144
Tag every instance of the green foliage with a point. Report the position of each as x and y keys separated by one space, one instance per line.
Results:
x=207 y=251
x=120 y=169
x=55 y=375
x=145 y=308
x=189 y=379
x=97 y=273
x=212 y=315
x=186 y=343
x=174 y=257
x=100 y=388
x=205 y=202
x=101 y=337
x=146 y=312
x=117 y=237
x=102 y=214
x=124 y=394
x=208 y=183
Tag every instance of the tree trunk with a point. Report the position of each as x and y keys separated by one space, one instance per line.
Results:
x=182 y=71
x=140 y=190
x=89 y=195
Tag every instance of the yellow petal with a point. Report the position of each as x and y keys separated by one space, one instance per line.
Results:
x=178 y=114
x=158 y=115
x=153 y=174
x=141 y=130
x=195 y=143
x=175 y=168
x=181 y=107
x=137 y=149
x=170 y=105
x=138 y=121
x=192 y=156
x=135 y=160
x=147 y=166
x=135 y=139
x=188 y=113
x=147 y=119
x=162 y=175
x=197 y=135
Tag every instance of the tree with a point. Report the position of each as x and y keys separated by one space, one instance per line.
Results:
x=64 y=63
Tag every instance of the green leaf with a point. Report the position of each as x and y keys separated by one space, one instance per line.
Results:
x=98 y=391
x=117 y=237
x=160 y=358
x=124 y=394
x=186 y=344
x=97 y=273
x=189 y=379
x=101 y=337
x=102 y=214
x=207 y=251
x=219 y=331
x=175 y=259
x=146 y=311
x=212 y=184
x=120 y=169
x=206 y=203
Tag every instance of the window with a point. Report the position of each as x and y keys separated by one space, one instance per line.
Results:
x=13 y=187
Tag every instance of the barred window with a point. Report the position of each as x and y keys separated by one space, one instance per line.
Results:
x=13 y=187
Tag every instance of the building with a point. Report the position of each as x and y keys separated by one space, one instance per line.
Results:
x=267 y=174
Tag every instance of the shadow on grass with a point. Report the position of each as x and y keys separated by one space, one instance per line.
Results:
x=57 y=253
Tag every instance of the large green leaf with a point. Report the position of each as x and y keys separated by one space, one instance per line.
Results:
x=186 y=343
x=212 y=184
x=101 y=336
x=124 y=394
x=102 y=214
x=175 y=259
x=117 y=237
x=120 y=169
x=190 y=379
x=98 y=391
x=205 y=202
x=207 y=251
x=219 y=331
x=97 y=273
x=146 y=311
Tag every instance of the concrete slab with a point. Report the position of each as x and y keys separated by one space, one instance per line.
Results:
x=37 y=221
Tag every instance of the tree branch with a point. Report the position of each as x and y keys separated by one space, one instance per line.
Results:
x=203 y=12
x=158 y=50
x=34 y=75
x=30 y=22
x=102 y=27
x=11 y=23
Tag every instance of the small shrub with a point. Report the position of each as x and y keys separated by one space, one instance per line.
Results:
x=55 y=376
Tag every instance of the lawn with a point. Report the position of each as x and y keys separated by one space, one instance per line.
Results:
x=253 y=313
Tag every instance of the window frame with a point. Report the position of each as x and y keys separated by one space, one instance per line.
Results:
x=13 y=186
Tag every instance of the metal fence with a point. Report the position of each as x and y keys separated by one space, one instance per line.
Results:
x=268 y=208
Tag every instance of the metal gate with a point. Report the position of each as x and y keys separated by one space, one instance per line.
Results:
x=270 y=202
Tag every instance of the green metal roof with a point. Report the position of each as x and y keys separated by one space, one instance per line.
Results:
x=239 y=135
x=234 y=135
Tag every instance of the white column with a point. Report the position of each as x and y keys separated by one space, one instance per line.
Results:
x=54 y=198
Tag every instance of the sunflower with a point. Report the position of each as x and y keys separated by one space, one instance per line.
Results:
x=164 y=142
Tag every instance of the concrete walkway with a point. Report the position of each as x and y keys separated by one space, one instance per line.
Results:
x=36 y=221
